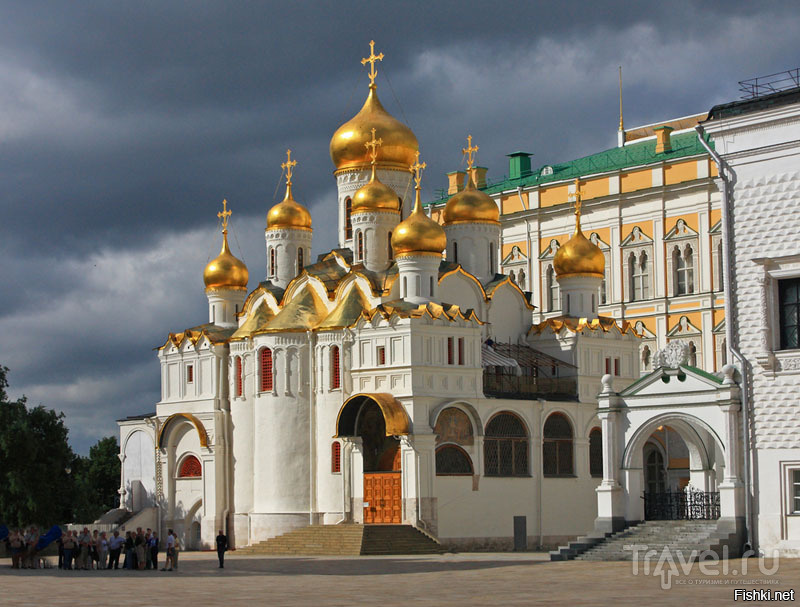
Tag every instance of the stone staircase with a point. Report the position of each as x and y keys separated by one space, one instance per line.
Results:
x=348 y=539
x=681 y=538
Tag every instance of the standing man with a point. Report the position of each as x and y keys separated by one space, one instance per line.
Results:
x=222 y=546
x=170 y=551
x=115 y=547
x=154 y=549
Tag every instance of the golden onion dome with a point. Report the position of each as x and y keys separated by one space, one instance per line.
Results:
x=226 y=271
x=418 y=234
x=471 y=205
x=375 y=196
x=579 y=256
x=399 y=142
x=288 y=214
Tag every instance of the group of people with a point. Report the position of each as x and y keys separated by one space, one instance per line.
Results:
x=87 y=550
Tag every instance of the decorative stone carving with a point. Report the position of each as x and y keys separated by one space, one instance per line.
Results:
x=675 y=354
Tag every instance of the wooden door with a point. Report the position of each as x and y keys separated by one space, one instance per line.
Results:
x=382 y=491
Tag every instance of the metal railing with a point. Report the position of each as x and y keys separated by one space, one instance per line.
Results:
x=509 y=385
x=681 y=505
x=772 y=83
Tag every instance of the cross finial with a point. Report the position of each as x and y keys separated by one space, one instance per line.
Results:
x=470 y=151
x=372 y=147
x=288 y=166
x=578 y=203
x=417 y=169
x=371 y=60
x=224 y=216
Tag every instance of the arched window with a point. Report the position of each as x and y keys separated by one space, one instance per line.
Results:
x=190 y=468
x=265 y=361
x=521 y=279
x=505 y=446
x=239 y=374
x=455 y=252
x=720 y=270
x=405 y=287
x=391 y=252
x=646 y=357
x=272 y=264
x=348 y=223
x=640 y=276
x=336 y=457
x=603 y=290
x=336 y=372
x=683 y=264
x=692 y=354
x=492 y=269
x=723 y=352
x=300 y=261
x=452 y=460
x=552 y=289
x=596 y=452
x=360 y=246
x=557 y=446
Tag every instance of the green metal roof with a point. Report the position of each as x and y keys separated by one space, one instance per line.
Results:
x=631 y=155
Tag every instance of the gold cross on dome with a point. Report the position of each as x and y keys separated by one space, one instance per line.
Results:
x=288 y=166
x=371 y=60
x=372 y=146
x=224 y=215
x=417 y=169
x=578 y=198
x=470 y=151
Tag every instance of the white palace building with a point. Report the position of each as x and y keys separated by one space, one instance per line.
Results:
x=400 y=379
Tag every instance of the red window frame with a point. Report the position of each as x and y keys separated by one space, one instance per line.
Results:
x=336 y=457
x=265 y=359
x=348 y=222
x=239 y=373
x=189 y=374
x=616 y=367
x=272 y=264
x=190 y=468
x=461 y=351
x=381 y=355
x=449 y=350
x=336 y=376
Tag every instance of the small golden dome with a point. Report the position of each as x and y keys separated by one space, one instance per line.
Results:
x=288 y=214
x=418 y=233
x=399 y=143
x=226 y=271
x=471 y=205
x=579 y=257
x=375 y=196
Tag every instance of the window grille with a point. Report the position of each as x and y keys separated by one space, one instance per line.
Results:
x=239 y=373
x=190 y=468
x=272 y=264
x=505 y=446
x=266 y=370
x=452 y=460
x=557 y=447
x=449 y=350
x=640 y=277
x=336 y=376
x=336 y=457
x=381 y=355
x=789 y=296
x=360 y=247
x=796 y=491
x=189 y=374
x=684 y=270
x=596 y=452
x=300 y=260
x=348 y=223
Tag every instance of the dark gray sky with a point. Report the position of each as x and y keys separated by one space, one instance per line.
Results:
x=124 y=124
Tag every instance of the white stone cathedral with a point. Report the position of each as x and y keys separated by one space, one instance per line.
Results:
x=400 y=379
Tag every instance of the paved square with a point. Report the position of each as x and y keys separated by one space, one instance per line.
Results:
x=459 y=579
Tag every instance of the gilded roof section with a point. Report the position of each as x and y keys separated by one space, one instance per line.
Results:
x=394 y=414
x=405 y=309
x=501 y=279
x=347 y=312
x=302 y=313
x=215 y=334
x=328 y=271
x=255 y=321
x=263 y=288
x=578 y=325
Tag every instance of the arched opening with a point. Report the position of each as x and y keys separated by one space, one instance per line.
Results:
x=452 y=460
x=348 y=220
x=557 y=459
x=596 y=452
x=378 y=420
x=655 y=474
x=190 y=468
x=272 y=263
x=505 y=446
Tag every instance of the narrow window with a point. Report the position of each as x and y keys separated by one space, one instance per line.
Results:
x=596 y=452
x=300 y=261
x=272 y=263
x=616 y=367
x=189 y=374
x=449 y=350
x=521 y=280
x=391 y=252
x=557 y=446
x=552 y=289
x=430 y=285
x=461 y=351
x=336 y=457
x=789 y=303
x=455 y=252
x=348 y=223
x=400 y=203
x=381 y=355
x=692 y=354
x=360 y=246
x=608 y=366
x=720 y=270
x=336 y=376
x=239 y=373
x=265 y=357
x=405 y=287
x=491 y=259
x=796 y=491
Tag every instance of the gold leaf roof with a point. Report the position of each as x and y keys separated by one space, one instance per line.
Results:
x=302 y=313
x=471 y=205
x=578 y=325
x=226 y=271
x=347 y=311
x=256 y=321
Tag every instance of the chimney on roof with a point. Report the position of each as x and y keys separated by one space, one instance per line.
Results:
x=663 y=139
x=479 y=177
x=519 y=165
x=456 y=181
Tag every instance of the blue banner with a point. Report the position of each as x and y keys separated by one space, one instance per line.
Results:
x=48 y=538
